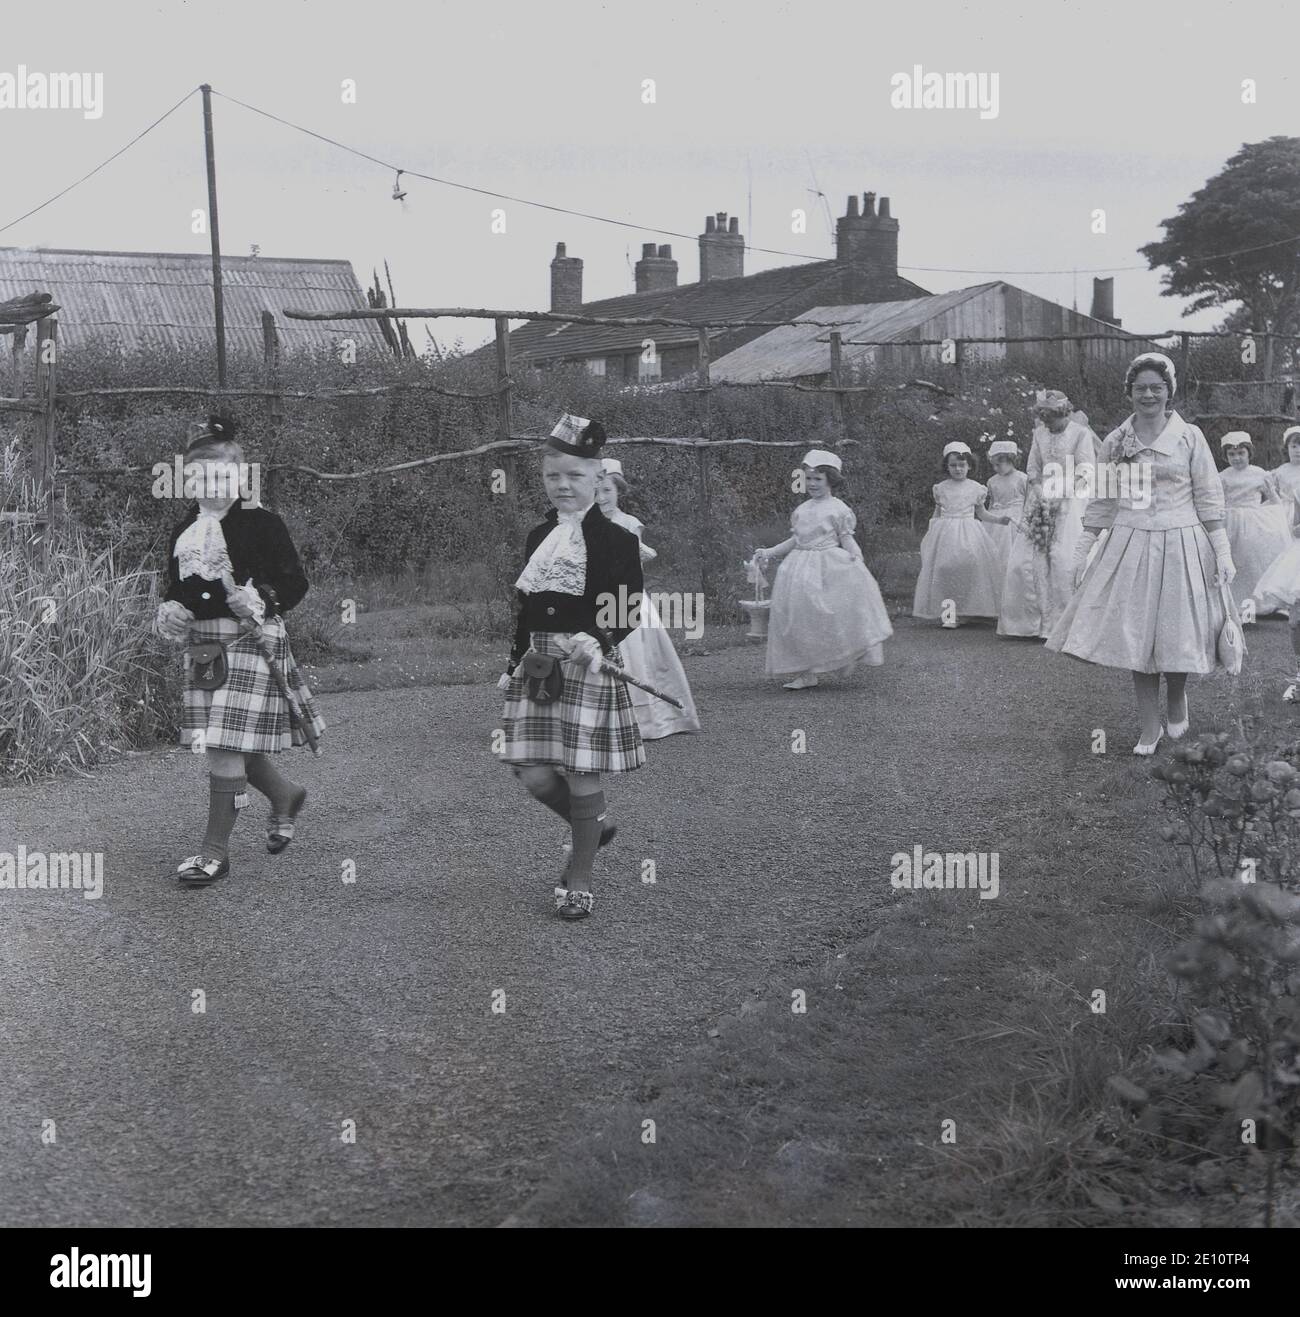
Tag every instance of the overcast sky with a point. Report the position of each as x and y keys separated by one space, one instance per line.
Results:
x=1102 y=105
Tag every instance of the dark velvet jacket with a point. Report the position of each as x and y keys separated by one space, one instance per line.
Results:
x=613 y=560
x=259 y=546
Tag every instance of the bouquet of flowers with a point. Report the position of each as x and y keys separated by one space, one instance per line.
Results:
x=1040 y=524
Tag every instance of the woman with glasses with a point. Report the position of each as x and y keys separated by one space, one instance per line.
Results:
x=1150 y=602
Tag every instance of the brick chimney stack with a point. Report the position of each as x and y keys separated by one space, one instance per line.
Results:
x=566 y=281
x=656 y=270
x=722 y=248
x=1103 y=301
x=867 y=242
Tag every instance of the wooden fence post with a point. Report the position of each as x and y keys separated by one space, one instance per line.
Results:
x=275 y=404
x=1185 y=361
x=837 y=399
x=47 y=365
x=702 y=467
x=505 y=409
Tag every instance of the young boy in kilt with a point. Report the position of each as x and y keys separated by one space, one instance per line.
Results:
x=233 y=573
x=566 y=721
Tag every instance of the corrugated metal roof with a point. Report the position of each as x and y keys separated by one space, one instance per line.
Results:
x=793 y=351
x=148 y=298
x=749 y=297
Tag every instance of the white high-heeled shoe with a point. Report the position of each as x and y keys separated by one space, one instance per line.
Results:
x=1149 y=747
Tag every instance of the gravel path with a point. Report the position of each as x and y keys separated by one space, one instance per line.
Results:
x=372 y=1001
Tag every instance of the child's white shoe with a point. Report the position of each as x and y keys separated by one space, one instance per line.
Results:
x=1292 y=693
x=800 y=683
x=1176 y=730
x=1149 y=747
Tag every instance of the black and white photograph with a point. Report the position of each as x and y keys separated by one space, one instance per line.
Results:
x=675 y=616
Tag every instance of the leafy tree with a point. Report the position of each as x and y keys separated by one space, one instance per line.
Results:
x=1253 y=203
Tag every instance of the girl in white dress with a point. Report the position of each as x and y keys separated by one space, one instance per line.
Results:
x=959 y=570
x=1259 y=523
x=1039 y=577
x=1007 y=488
x=1288 y=474
x=648 y=653
x=1150 y=600
x=827 y=612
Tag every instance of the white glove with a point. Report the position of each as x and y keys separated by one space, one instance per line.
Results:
x=1086 y=541
x=586 y=649
x=503 y=681
x=244 y=601
x=1223 y=557
x=173 y=621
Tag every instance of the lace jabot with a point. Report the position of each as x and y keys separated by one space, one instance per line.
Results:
x=559 y=563
x=201 y=548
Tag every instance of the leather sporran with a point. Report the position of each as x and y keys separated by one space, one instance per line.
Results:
x=543 y=679
x=209 y=667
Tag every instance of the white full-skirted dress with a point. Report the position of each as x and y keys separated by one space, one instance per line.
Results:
x=649 y=655
x=1148 y=602
x=1037 y=586
x=1259 y=525
x=827 y=611
x=957 y=559
x=1006 y=499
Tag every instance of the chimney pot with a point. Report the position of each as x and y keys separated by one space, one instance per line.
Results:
x=722 y=220
x=735 y=225
x=647 y=249
x=559 y=250
x=884 y=208
x=868 y=204
x=710 y=224
x=666 y=252
x=851 y=211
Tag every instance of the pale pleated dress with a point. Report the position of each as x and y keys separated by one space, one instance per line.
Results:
x=1006 y=499
x=1148 y=602
x=1259 y=526
x=649 y=656
x=1037 y=586
x=827 y=611
x=957 y=559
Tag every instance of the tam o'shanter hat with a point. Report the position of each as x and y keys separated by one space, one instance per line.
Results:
x=215 y=428
x=1236 y=439
x=611 y=466
x=1004 y=448
x=958 y=447
x=577 y=436
x=815 y=457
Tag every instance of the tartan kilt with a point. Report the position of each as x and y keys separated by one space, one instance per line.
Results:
x=248 y=713
x=591 y=728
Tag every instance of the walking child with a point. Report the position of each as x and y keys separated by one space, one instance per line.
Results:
x=647 y=652
x=233 y=573
x=959 y=571
x=567 y=720
x=1258 y=521
x=827 y=612
x=1007 y=488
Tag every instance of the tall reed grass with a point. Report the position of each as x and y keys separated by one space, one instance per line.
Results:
x=82 y=677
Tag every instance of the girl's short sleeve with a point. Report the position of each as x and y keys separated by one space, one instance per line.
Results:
x=844 y=521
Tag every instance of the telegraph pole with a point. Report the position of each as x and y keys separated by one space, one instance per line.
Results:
x=214 y=230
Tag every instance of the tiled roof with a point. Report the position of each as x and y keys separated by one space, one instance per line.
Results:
x=138 y=298
x=754 y=296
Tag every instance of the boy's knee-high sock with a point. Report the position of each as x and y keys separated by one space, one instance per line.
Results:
x=554 y=794
x=282 y=793
x=586 y=816
x=225 y=798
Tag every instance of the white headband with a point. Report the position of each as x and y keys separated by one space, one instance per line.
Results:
x=1164 y=361
x=1004 y=448
x=1236 y=439
x=958 y=447
x=821 y=457
x=611 y=466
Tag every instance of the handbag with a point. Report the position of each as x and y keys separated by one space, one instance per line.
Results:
x=542 y=676
x=1231 y=648
x=209 y=667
